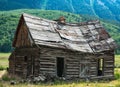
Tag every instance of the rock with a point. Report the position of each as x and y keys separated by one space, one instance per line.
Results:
x=12 y=83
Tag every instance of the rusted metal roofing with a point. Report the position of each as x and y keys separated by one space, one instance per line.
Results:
x=85 y=37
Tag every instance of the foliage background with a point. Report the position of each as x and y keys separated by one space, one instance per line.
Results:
x=9 y=21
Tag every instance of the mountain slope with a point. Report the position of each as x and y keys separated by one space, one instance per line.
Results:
x=9 y=21
x=107 y=9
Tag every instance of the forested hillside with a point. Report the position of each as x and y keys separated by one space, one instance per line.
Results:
x=9 y=21
x=106 y=9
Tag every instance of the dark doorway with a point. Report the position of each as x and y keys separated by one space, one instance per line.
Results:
x=60 y=66
x=100 y=67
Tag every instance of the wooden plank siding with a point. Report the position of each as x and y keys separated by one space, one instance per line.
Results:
x=109 y=65
x=44 y=62
x=23 y=37
x=22 y=66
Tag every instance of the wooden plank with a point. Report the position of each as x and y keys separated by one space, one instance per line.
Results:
x=102 y=77
x=47 y=61
x=109 y=61
x=50 y=63
x=107 y=74
x=92 y=75
x=72 y=73
x=94 y=68
x=85 y=62
x=72 y=70
x=71 y=67
x=47 y=69
x=109 y=66
x=108 y=71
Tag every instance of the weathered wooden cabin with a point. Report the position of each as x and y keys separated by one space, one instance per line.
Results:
x=60 y=49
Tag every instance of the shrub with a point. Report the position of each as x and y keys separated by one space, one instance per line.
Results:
x=7 y=77
x=2 y=68
x=117 y=74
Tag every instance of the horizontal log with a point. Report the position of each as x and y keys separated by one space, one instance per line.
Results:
x=109 y=71
x=72 y=67
x=109 y=66
x=98 y=77
x=93 y=65
x=107 y=74
x=47 y=69
x=72 y=70
x=50 y=72
x=72 y=59
x=108 y=61
x=93 y=75
x=72 y=64
x=50 y=63
x=93 y=62
x=93 y=68
x=47 y=61
x=42 y=65
x=72 y=73
x=47 y=58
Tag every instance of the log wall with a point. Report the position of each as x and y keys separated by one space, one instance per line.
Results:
x=21 y=62
x=73 y=62
x=44 y=61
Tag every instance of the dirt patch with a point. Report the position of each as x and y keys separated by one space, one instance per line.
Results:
x=2 y=73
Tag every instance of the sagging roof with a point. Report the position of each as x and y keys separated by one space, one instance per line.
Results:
x=85 y=37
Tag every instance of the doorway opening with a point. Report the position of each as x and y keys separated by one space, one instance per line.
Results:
x=60 y=66
x=100 y=67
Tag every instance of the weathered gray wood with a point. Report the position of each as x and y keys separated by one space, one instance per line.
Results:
x=45 y=63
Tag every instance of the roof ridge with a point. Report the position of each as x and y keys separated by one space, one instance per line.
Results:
x=67 y=23
x=36 y=17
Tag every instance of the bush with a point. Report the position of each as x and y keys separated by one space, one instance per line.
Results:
x=2 y=68
x=117 y=74
x=7 y=77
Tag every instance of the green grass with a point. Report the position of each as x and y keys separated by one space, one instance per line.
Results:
x=4 y=55
x=4 y=60
x=114 y=83
x=117 y=61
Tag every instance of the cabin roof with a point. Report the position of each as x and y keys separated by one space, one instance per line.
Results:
x=85 y=37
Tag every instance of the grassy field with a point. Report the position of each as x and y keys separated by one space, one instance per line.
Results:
x=117 y=61
x=114 y=83
x=4 y=60
x=65 y=84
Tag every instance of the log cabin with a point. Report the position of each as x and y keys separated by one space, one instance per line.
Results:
x=60 y=49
